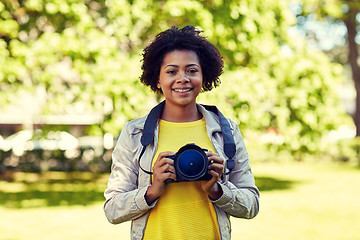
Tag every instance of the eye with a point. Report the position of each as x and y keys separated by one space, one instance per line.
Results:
x=171 y=71
x=192 y=70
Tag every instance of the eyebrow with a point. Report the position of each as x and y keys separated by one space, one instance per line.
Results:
x=189 y=65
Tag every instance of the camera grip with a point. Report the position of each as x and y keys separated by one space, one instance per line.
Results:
x=169 y=180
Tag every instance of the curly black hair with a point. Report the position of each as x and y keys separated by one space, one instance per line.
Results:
x=186 y=38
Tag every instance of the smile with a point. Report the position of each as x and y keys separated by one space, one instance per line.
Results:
x=183 y=90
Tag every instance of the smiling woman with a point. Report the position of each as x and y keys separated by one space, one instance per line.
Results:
x=162 y=203
x=187 y=38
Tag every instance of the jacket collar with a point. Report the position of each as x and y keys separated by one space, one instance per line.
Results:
x=211 y=119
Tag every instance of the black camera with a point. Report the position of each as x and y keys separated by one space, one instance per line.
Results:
x=191 y=164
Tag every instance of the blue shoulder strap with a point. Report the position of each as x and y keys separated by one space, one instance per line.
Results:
x=150 y=124
x=149 y=129
x=229 y=143
x=154 y=115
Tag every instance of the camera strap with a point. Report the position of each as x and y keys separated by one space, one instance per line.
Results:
x=229 y=143
x=149 y=129
x=154 y=115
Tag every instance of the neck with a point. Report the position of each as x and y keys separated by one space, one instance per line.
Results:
x=187 y=113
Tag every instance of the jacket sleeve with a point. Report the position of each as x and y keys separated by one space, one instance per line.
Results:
x=124 y=200
x=240 y=195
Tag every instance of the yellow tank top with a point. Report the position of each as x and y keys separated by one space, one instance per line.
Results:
x=184 y=210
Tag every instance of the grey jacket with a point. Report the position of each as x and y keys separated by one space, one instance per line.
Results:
x=127 y=185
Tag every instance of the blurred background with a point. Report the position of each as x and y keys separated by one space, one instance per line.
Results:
x=69 y=80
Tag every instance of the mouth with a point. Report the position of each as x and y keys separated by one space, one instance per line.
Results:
x=182 y=90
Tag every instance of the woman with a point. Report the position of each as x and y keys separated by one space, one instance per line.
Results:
x=179 y=64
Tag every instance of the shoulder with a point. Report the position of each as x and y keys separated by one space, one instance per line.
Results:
x=136 y=125
x=130 y=134
x=208 y=114
x=233 y=125
x=211 y=116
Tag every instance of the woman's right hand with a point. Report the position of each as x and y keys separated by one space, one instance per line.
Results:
x=163 y=169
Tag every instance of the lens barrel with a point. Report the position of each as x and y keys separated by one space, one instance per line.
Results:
x=191 y=163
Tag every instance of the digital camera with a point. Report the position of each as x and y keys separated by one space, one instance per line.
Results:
x=191 y=164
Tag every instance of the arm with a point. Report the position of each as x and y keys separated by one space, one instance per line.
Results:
x=240 y=196
x=124 y=200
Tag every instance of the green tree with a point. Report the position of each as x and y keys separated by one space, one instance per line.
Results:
x=346 y=12
x=86 y=56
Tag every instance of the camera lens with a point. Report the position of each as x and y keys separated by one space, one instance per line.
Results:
x=192 y=164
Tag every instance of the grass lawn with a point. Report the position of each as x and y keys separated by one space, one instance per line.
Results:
x=322 y=203
x=298 y=201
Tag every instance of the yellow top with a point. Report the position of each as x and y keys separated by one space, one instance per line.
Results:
x=184 y=210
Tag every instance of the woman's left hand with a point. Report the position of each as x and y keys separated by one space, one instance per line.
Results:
x=216 y=167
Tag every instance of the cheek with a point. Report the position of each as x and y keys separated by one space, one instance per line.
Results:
x=202 y=81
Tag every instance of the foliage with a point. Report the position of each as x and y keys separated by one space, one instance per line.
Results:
x=348 y=151
x=84 y=56
x=339 y=12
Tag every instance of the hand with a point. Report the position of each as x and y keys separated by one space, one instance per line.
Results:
x=211 y=187
x=163 y=169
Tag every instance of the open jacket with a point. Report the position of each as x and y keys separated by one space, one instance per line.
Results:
x=127 y=185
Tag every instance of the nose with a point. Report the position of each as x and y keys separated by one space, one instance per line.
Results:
x=183 y=77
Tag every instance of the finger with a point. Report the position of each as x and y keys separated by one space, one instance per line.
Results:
x=163 y=158
x=169 y=175
x=216 y=159
x=164 y=172
x=167 y=168
x=215 y=175
x=164 y=155
x=165 y=162
x=171 y=169
x=211 y=154
x=217 y=171
x=218 y=168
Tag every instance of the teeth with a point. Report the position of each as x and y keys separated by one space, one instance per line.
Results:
x=182 y=90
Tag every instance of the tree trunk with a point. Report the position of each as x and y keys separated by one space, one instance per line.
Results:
x=350 y=22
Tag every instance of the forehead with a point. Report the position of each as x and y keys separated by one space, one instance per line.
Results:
x=180 y=56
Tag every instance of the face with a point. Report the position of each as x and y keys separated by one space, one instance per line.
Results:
x=181 y=77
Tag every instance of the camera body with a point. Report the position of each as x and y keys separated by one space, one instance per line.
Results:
x=191 y=164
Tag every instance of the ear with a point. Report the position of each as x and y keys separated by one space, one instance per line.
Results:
x=158 y=85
